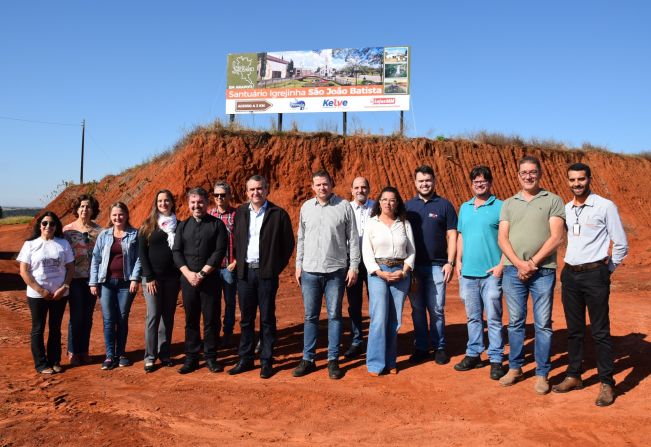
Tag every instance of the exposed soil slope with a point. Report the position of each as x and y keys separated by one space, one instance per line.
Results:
x=425 y=404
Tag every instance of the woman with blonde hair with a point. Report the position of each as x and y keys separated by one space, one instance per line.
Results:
x=160 y=278
x=114 y=276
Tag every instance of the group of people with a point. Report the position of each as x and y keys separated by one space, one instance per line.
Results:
x=396 y=248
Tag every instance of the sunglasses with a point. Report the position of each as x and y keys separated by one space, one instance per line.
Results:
x=86 y=237
x=48 y=223
x=220 y=196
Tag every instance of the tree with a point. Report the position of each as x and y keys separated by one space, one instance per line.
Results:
x=356 y=58
x=290 y=69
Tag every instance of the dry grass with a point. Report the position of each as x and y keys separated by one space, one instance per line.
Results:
x=13 y=220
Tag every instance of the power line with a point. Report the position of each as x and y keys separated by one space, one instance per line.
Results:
x=37 y=122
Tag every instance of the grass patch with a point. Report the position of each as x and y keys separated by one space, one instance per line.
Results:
x=14 y=220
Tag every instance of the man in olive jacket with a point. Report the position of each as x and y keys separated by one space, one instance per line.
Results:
x=264 y=242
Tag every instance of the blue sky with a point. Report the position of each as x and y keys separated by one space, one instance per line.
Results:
x=144 y=73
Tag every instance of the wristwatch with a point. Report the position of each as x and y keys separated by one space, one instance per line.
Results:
x=452 y=263
x=201 y=273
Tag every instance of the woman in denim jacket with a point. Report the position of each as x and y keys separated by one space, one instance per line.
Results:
x=115 y=267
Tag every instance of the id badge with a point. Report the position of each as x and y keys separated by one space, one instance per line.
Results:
x=576 y=229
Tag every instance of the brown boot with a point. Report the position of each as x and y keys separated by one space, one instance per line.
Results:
x=512 y=377
x=568 y=384
x=541 y=386
x=606 y=395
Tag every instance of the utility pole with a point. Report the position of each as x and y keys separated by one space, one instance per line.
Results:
x=83 y=136
x=344 y=122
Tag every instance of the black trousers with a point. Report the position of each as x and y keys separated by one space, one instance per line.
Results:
x=198 y=301
x=355 y=294
x=254 y=292
x=39 y=308
x=589 y=289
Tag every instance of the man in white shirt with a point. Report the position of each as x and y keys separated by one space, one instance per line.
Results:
x=592 y=223
x=362 y=206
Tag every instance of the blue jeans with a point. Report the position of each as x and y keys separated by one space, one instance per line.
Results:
x=541 y=287
x=429 y=297
x=313 y=287
x=385 y=309
x=229 y=284
x=479 y=294
x=116 y=303
x=82 y=306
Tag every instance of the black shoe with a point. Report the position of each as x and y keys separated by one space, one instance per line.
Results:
x=258 y=347
x=266 y=370
x=188 y=367
x=469 y=363
x=167 y=362
x=418 y=356
x=214 y=366
x=334 y=372
x=242 y=366
x=304 y=368
x=354 y=351
x=441 y=357
x=149 y=366
x=497 y=371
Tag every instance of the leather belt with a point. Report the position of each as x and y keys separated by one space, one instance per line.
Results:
x=390 y=262
x=253 y=265
x=586 y=267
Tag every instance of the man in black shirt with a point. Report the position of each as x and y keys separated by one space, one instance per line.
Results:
x=264 y=242
x=199 y=247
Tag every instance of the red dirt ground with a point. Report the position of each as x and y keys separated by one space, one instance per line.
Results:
x=423 y=405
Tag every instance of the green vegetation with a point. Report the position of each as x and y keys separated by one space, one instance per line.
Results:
x=13 y=220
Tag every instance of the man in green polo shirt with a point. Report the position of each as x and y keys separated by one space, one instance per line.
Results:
x=479 y=269
x=532 y=224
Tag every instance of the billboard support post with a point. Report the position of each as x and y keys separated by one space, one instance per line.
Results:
x=280 y=122
x=231 y=118
x=402 y=123
x=344 y=122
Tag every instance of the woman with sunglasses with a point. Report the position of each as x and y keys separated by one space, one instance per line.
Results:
x=389 y=253
x=46 y=266
x=160 y=278
x=81 y=234
x=114 y=275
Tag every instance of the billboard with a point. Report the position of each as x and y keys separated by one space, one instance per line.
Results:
x=332 y=80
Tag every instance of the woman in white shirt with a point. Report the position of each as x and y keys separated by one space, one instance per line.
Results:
x=388 y=252
x=47 y=265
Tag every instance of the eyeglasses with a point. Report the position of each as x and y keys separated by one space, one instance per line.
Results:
x=524 y=174
x=220 y=196
x=48 y=223
x=480 y=182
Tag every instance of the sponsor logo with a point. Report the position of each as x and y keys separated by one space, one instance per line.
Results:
x=334 y=103
x=297 y=104
x=383 y=101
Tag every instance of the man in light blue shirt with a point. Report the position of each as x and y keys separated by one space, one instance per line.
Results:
x=592 y=223
x=479 y=268
x=362 y=206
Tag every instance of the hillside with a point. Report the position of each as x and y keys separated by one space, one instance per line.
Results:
x=288 y=159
